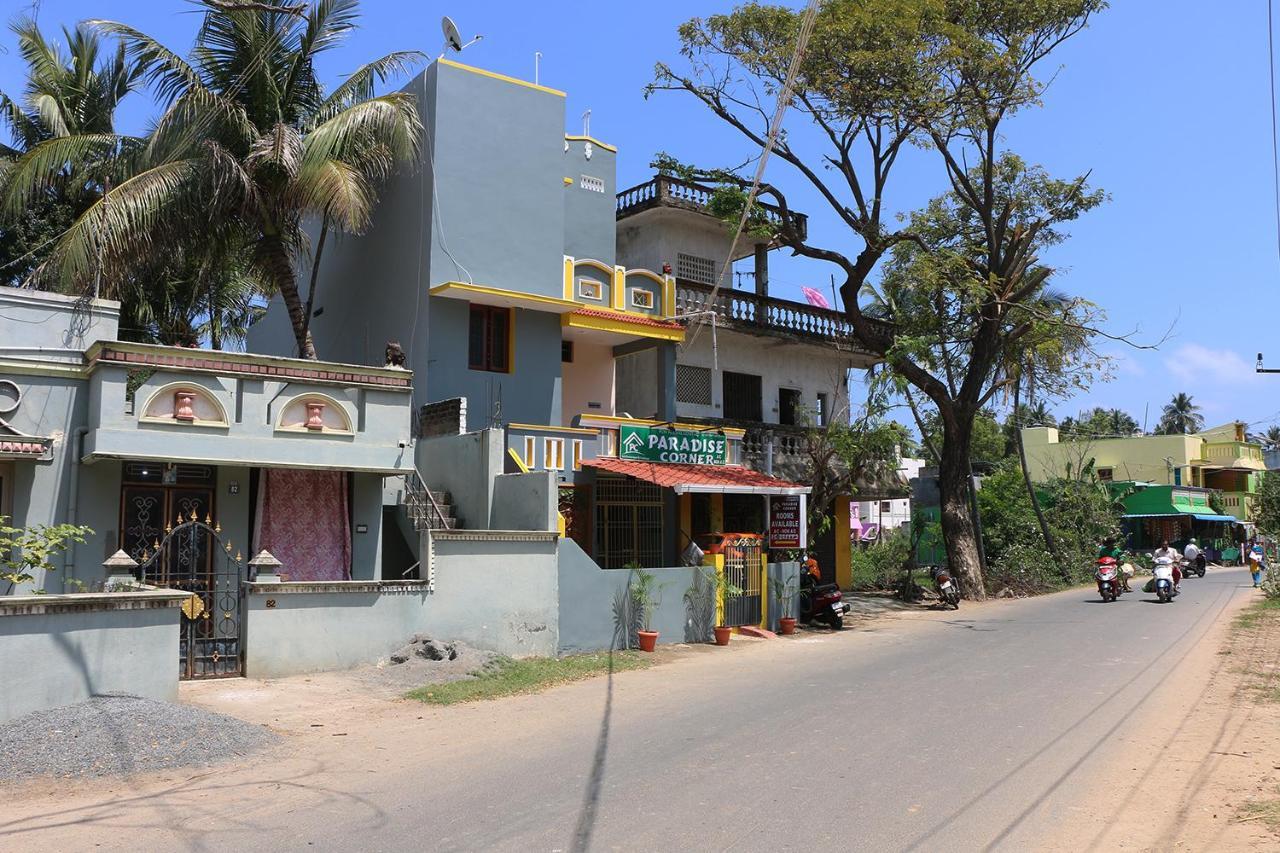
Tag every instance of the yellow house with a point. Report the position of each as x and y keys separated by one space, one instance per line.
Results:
x=1221 y=458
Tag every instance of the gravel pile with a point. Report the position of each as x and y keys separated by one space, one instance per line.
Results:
x=421 y=662
x=120 y=735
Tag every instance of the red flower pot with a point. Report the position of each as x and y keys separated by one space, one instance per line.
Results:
x=787 y=625
x=722 y=635
x=648 y=639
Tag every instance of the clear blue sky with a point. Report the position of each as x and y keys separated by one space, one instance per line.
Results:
x=1167 y=103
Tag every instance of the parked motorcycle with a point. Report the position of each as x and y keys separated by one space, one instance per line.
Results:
x=948 y=589
x=821 y=602
x=1164 y=580
x=1107 y=574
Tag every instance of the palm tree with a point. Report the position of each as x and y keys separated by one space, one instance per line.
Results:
x=70 y=92
x=248 y=149
x=1180 y=416
x=1272 y=438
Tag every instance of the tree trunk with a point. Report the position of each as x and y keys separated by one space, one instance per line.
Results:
x=957 y=522
x=311 y=289
x=1031 y=489
x=281 y=265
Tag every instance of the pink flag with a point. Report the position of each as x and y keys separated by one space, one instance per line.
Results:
x=813 y=297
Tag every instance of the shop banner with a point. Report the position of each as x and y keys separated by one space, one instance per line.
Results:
x=785 y=513
x=671 y=445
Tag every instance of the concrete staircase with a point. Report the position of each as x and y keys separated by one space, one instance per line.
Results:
x=428 y=509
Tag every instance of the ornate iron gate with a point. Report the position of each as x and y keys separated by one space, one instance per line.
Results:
x=743 y=568
x=194 y=557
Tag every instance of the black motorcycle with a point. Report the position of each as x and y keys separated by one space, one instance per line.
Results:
x=821 y=602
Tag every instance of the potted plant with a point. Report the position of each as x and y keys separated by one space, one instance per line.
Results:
x=721 y=587
x=784 y=593
x=646 y=595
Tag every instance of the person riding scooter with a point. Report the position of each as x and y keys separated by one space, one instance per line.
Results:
x=1195 y=558
x=1111 y=550
x=1165 y=553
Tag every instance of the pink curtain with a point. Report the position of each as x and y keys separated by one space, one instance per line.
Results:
x=302 y=520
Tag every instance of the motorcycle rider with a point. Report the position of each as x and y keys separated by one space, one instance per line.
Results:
x=1164 y=551
x=1109 y=548
x=1191 y=553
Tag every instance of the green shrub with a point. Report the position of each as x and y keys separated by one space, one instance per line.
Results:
x=882 y=564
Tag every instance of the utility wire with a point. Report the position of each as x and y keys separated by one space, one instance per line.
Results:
x=775 y=127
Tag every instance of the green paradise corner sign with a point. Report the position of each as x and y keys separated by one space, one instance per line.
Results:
x=672 y=445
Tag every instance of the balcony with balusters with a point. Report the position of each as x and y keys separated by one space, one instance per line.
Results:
x=671 y=192
x=744 y=311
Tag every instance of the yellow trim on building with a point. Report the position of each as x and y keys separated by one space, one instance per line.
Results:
x=606 y=146
x=844 y=538
x=668 y=296
x=644 y=273
x=600 y=265
x=541 y=428
x=478 y=292
x=618 y=294
x=496 y=76
x=622 y=325
x=717 y=513
x=568 y=182
x=616 y=421
x=686 y=522
x=568 y=278
x=764 y=590
x=716 y=562
x=515 y=457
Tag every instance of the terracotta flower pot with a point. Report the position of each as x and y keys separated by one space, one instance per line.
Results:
x=723 y=634
x=787 y=625
x=648 y=639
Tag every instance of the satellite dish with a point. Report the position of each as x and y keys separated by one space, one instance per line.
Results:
x=451 y=35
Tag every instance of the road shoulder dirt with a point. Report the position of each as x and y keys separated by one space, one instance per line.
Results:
x=1214 y=783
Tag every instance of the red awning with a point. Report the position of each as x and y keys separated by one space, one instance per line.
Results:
x=712 y=479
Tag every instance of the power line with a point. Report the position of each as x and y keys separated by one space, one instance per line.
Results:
x=784 y=100
x=1275 y=147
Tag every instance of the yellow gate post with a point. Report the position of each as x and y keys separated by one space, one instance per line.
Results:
x=764 y=589
x=844 y=543
x=716 y=561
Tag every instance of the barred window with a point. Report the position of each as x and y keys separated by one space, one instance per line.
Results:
x=694 y=268
x=693 y=384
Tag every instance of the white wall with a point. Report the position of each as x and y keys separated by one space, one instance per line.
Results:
x=779 y=363
x=587 y=379
x=653 y=238
x=899 y=513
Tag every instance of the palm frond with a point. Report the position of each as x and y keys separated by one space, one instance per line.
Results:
x=120 y=225
x=40 y=168
x=389 y=119
x=160 y=67
x=338 y=191
x=361 y=84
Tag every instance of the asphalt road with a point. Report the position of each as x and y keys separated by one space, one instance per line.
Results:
x=962 y=731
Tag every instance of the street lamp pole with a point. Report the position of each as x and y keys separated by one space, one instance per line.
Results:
x=1261 y=369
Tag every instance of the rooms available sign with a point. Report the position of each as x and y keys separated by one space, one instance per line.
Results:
x=671 y=445
x=785 y=515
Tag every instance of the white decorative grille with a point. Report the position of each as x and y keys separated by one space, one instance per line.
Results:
x=694 y=268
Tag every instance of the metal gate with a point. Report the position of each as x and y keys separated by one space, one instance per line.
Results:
x=194 y=557
x=744 y=569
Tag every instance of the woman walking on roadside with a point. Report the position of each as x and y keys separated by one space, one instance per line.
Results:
x=1257 y=561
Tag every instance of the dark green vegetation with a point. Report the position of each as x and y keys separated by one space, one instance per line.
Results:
x=193 y=225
